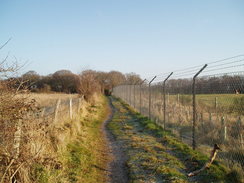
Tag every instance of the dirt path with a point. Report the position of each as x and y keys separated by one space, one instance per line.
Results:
x=117 y=170
x=153 y=155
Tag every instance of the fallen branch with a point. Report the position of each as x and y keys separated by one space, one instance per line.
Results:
x=208 y=164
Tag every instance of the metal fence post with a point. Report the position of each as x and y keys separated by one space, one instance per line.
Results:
x=140 y=92
x=149 y=110
x=123 y=94
x=194 y=106
x=127 y=93
x=165 y=97
x=130 y=94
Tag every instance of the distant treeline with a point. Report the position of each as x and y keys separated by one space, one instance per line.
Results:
x=85 y=83
x=90 y=81
x=208 y=85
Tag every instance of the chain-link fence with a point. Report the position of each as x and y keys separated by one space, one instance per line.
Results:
x=201 y=105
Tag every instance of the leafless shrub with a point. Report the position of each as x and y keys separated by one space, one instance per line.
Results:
x=11 y=125
x=88 y=84
x=13 y=137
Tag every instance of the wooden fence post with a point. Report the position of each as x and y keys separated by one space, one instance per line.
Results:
x=210 y=117
x=70 y=108
x=224 y=128
x=216 y=103
x=56 y=110
x=239 y=124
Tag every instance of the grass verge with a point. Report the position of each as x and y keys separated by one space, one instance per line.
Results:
x=84 y=157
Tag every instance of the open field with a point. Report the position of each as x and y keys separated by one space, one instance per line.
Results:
x=49 y=99
x=209 y=100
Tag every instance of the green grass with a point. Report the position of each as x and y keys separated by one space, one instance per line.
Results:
x=84 y=158
x=39 y=172
x=156 y=155
x=226 y=102
x=222 y=99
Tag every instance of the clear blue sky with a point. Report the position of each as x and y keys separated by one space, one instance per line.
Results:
x=143 y=36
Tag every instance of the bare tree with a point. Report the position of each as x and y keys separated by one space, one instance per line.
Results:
x=132 y=78
x=88 y=84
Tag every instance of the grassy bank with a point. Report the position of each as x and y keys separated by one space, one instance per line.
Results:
x=157 y=156
x=82 y=157
x=85 y=156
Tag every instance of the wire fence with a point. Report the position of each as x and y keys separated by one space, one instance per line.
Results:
x=28 y=136
x=201 y=105
x=63 y=110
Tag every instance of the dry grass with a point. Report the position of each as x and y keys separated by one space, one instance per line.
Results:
x=43 y=141
x=44 y=99
x=72 y=150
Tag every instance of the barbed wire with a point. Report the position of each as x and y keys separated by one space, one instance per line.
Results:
x=190 y=71
x=223 y=74
x=228 y=58
x=223 y=68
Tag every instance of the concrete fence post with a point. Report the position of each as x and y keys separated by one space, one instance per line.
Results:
x=56 y=111
x=43 y=112
x=17 y=139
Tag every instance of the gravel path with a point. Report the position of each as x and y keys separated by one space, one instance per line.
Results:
x=117 y=170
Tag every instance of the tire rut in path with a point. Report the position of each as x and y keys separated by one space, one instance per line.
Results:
x=117 y=169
